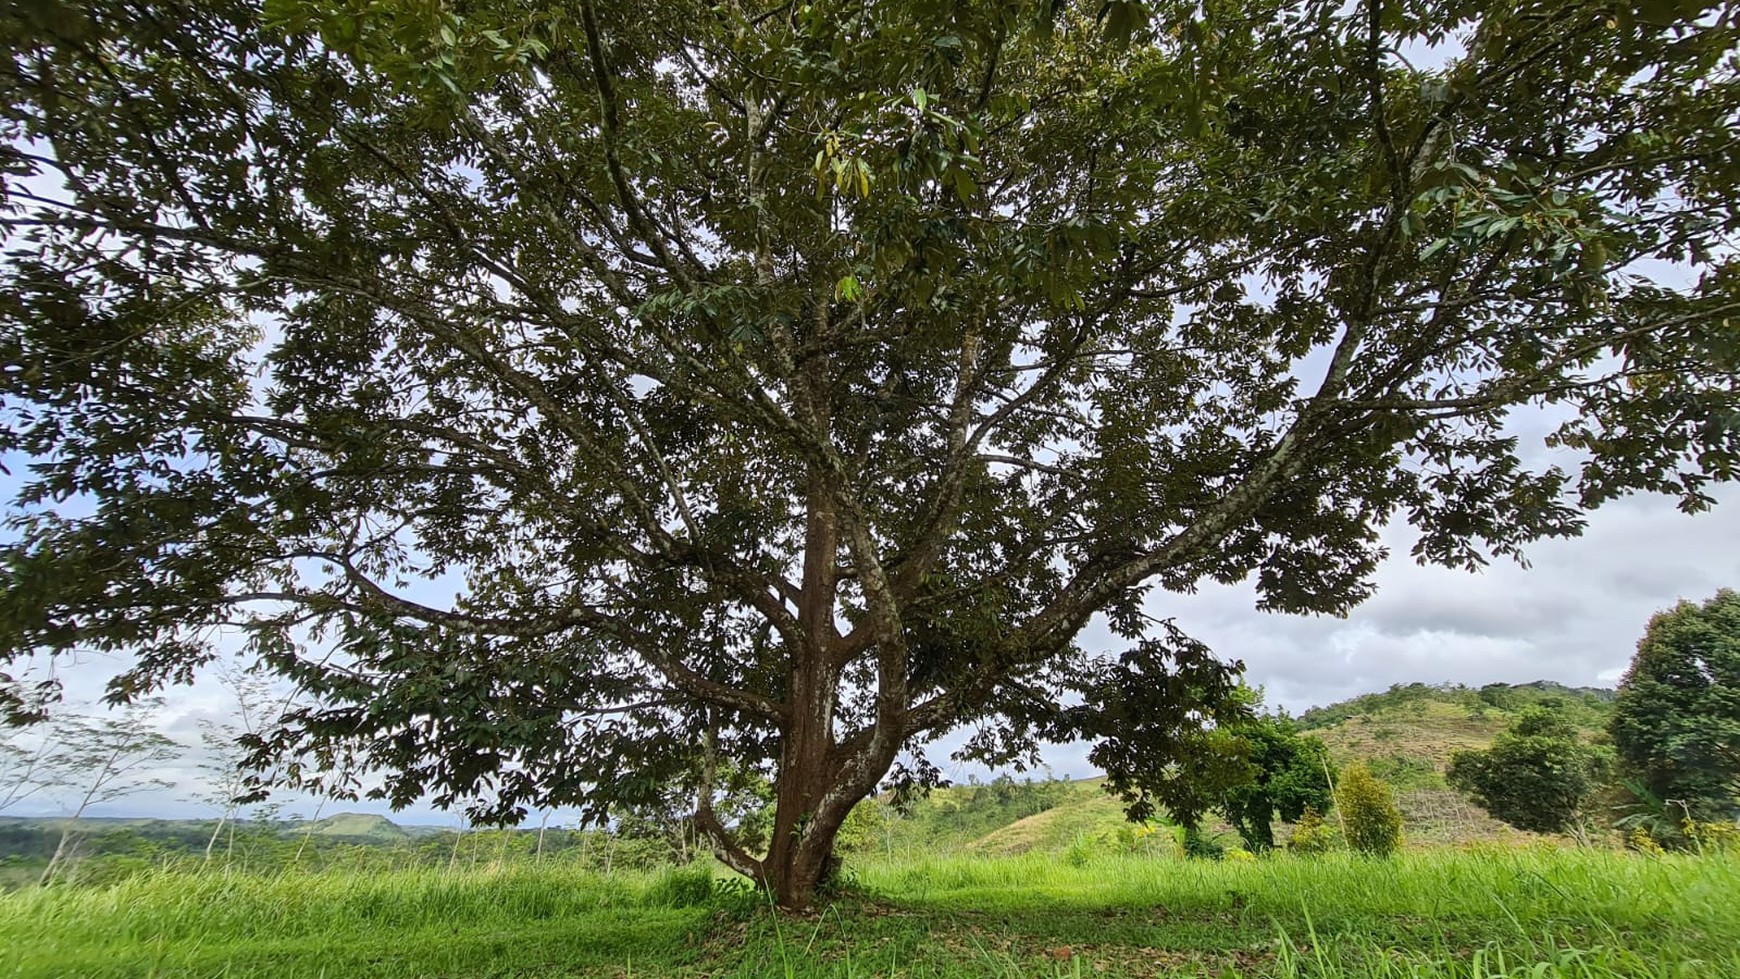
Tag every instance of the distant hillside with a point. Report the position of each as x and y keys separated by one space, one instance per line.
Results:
x=952 y=819
x=1407 y=734
x=359 y=826
x=1091 y=814
x=1586 y=706
x=33 y=838
x=90 y=823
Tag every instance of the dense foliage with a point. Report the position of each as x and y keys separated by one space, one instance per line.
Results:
x=1249 y=773
x=1369 y=818
x=1676 y=722
x=1538 y=775
x=570 y=400
x=1290 y=773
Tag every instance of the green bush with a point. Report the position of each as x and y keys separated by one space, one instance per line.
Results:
x=1080 y=851
x=1537 y=776
x=865 y=828
x=1368 y=812
x=1198 y=845
x=1311 y=835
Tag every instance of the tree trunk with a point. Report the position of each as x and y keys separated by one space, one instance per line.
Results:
x=794 y=872
x=819 y=782
x=216 y=831
x=820 y=779
x=49 y=871
x=802 y=842
x=796 y=889
x=803 y=825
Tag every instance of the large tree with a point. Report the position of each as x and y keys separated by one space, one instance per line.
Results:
x=566 y=395
x=1676 y=721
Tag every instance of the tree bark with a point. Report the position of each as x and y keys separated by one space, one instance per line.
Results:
x=799 y=845
x=797 y=872
x=801 y=849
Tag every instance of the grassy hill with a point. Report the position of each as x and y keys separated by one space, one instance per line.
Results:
x=1407 y=734
x=1092 y=815
x=360 y=827
x=1490 y=708
x=953 y=819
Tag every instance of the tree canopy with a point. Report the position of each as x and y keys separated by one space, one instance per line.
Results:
x=567 y=395
x=1676 y=721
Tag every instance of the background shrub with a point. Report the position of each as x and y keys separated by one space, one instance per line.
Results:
x=1536 y=776
x=1368 y=811
x=1311 y=835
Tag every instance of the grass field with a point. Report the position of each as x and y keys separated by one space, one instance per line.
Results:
x=1535 y=913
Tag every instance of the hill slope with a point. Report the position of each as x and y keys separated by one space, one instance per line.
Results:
x=360 y=826
x=1407 y=734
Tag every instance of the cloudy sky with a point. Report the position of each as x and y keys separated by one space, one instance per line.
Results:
x=1574 y=617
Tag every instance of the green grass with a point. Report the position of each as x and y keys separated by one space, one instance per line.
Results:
x=1537 y=913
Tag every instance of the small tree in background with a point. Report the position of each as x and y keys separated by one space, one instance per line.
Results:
x=1676 y=720
x=255 y=706
x=1289 y=775
x=1311 y=835
x=26 y=762
x=1369 y=815
x=1249 y=768
x=105 y=759
x=1537 y=776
